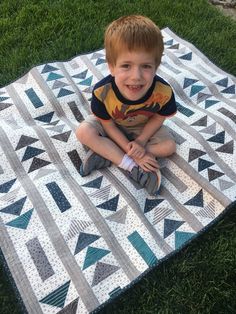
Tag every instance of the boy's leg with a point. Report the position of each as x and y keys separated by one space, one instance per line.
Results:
x=89 y=135
x=102 y=149
x=162 y=143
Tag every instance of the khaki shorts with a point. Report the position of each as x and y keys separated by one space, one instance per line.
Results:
x=131 y=133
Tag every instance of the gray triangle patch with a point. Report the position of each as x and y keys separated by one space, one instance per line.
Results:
x=225 y=185
x=227 y=148
x=63 y=137
x=43 y=173
x=23 y=80
x=102 y=193
x=102 y=271
x=77 y=226
x=210 y=129
x=201 y=122
x=58 y=84
x=119 y=217
x=57 y=128
x=208 y=211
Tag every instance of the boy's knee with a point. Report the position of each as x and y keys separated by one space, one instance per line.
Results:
x=171 y=147
x=82 y=132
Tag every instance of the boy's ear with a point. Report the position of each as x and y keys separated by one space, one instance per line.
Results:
x=111 y=68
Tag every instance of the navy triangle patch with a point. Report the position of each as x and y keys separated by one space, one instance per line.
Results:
x=170 y=226
x=150 y=204
x=188 y=82
x=45 y=117
x=203 y=164
x=100 y=61
x=188 y=56
x=223 y=82
x=5 y=187
x=110 y=204
x=229 y=90
x=197 y=200
x=38 y=163
x=31 y=152
x=49 y=68
x=57 y=297
x=84 y=240
x=96 y=183
x=169 y=42
x=64 y=92
x=81 y=75
x=218 y=138
x=15 y=208
x=22 y=221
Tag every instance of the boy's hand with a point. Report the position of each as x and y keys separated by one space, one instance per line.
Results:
x=147 y=162
x=135 y=150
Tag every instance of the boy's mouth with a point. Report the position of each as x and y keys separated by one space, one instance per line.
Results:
x=134 y=87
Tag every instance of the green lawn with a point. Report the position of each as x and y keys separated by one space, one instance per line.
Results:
x=200 y=278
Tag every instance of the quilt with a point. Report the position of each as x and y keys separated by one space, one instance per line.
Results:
x=73 y=243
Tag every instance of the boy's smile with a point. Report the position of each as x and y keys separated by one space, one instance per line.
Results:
x=133 y=73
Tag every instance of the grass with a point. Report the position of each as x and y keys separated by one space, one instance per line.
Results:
x=201 y=277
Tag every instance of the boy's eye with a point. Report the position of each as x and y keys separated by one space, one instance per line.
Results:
x=147 y=66
x=125 y=66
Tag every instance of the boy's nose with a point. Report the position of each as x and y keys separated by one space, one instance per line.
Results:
x=136 y=73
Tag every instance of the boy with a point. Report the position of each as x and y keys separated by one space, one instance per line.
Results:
x=130 y=105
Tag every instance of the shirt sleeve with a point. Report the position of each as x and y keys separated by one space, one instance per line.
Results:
x=98 y=108
x=170 y=108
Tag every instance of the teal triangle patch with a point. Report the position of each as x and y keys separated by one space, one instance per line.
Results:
x=196 y=89
x=181 y=238
x=54 y=76
x=93 y=255
x=209 y=103
x=22 y=221
x=87 y=82
x=57 y=297
x=110 y=204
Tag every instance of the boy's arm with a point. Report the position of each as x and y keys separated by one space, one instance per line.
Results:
x=153 y=124
x=115 y=134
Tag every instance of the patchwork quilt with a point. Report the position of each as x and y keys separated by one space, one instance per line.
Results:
x=72 y=243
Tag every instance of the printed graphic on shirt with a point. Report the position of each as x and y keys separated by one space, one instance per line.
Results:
x=108 y=106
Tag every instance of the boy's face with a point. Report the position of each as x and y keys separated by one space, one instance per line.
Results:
x=133 y=73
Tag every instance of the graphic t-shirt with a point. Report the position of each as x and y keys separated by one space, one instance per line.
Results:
x=108 y=103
